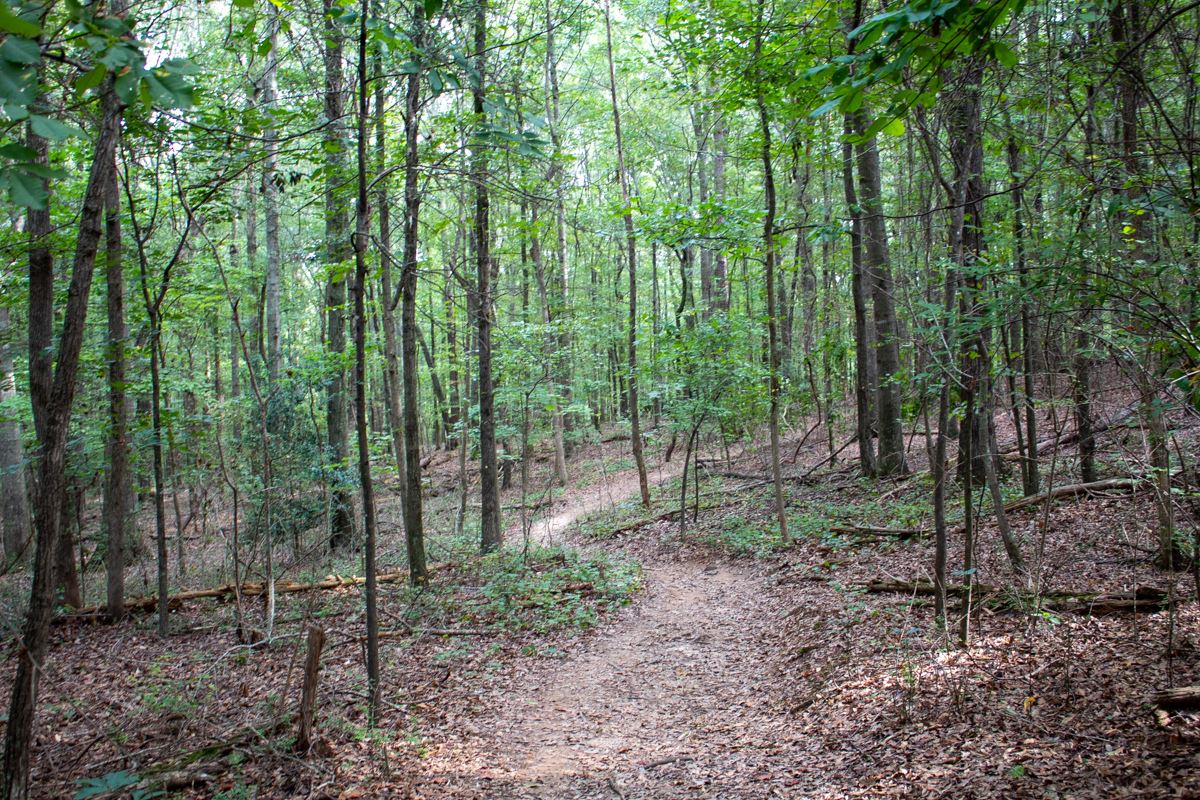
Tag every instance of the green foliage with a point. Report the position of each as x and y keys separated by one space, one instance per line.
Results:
x=553 y=587
x=906 y=52
x=744 y=538
x=112 y=783
x=104 y=46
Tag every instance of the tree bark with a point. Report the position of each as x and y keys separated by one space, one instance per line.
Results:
x=270 y=191
x=491 y=534
x=413 y=524
x=887 y=333
x=772 y=320
x=635 y=425
x=117 y=490
x=52 y=392
x=337 y=254
x=864 y=350
x=361 y=237
x=14 y=500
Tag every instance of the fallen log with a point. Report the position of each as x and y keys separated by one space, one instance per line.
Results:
x=1072 y=437
x=401 y=633
x=880 y=531
x=1067 y=490
x=1143 y=600
x=1181 y=697
x=250 y=589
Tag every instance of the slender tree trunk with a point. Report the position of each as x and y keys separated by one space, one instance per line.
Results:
x=491 y=534
x=14 y=501
x=391 y=349
x=116 y=487
x=548 y=349
x=864 y=351
x=635 y=425
x=720 y=265
x=361 y=239
x=270 y=190
x=52 y=392
x=700 y=132
x=772 y=320
x=887 y=333
x=156 y=455
x=65 y=568
x=1029 y=474
x=561 y=280
x=413 y=524
x=337 y=254
x=1081 y=391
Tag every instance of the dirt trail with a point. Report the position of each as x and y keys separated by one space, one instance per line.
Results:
x=661 y=704
x=577 y=504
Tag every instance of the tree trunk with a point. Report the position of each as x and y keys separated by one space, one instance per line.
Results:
x=52 y=392
x=413 y=524
x=491 y=534
x=720 y=266
x=548 y=351
x=887 y=334
x=1029 y=473
x=14 y=501
x=270 y=190
x=864 y=350
x=561 y=281
x=772 y=320
x=337 y=254
x=116 y=488
x=361 y=239
x=635 y=425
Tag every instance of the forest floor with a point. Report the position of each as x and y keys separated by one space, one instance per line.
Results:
x=646 y=661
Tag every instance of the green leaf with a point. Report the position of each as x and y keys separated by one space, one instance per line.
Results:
x=432 y=7
x=825 y=108
x=264 y=47
x=90 y=79
x=20 y=50
x=244 y=3
x=894 y=128
x=25 y=189
x=126 y=86
x=11 y=23
x=435 y=81
x=52 y=129
x=17 y=152
x=1004 y=54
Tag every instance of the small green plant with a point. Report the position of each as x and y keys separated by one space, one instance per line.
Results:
x=553 y=587
x=169 y=698
x=745 y=538
x=112 y=783
x=239 y=791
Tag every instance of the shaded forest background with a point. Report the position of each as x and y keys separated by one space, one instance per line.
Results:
x=293 y=291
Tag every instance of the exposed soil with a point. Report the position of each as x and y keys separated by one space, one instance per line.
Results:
x=651 y=708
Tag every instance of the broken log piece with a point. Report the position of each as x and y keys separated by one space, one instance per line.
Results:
x=880 y=531
x=149 y=603
x=1182 y=697
x=1143 y=600
x=308 y=692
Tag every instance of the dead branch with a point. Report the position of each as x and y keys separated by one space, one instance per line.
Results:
x=1107 y=484
x=251 y=589
x=1143 y=600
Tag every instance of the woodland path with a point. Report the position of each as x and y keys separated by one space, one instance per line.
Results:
x=663 y=702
